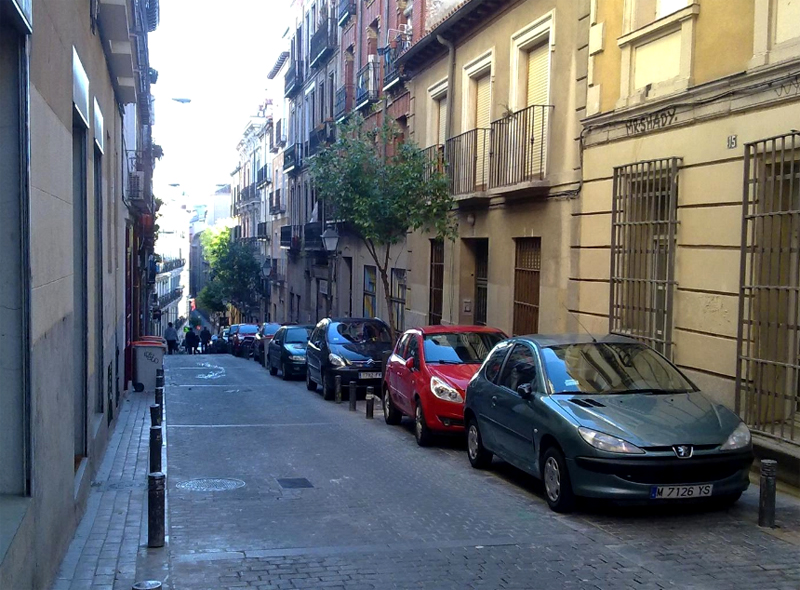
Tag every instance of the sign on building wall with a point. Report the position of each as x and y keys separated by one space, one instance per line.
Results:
x=24 y=8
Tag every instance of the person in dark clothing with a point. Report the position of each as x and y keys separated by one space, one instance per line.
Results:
x=171 y=336
x=205 y=338
x=192 y=341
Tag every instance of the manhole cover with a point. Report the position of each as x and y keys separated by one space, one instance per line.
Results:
x=210 y=484
x=293 y=483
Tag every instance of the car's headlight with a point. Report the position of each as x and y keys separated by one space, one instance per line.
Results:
x=606 y=442
x=739 y=439
x=337 y=361
x=295 y=357
x=444 y=391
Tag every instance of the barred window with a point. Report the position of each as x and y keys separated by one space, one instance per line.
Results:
x=643 y=226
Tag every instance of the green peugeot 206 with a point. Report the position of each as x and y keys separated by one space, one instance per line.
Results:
x=604 y=418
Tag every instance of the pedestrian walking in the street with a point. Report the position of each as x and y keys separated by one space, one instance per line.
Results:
x=205 y=338
x=192 y=340
x=171 y=336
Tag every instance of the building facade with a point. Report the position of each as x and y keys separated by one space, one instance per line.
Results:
x=685 y=236
x=77 y=231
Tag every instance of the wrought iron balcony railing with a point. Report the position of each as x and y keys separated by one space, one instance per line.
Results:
x=312 y=236
x=262 y=231
x=263 y=177
x=170 y=297
x=170 y=265
x=292 y=157
x=294 y=78
x=344 y=102
x=347 y=8
x=434 y=158
x=467 y=157
x=392 y=72
x=367 y=84
x=323 y=42
x=519 y=145
x=286 y=236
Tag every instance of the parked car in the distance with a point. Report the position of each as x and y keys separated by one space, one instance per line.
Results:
x=241 y=340
x=608 y=418
x=286 y=351
x=427 y=375
x=352 y=348
x=263 y=336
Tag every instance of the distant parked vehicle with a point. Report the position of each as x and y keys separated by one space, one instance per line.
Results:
x=265 y=333
x=352 y=348
x=428 y=372
x=286 y=351
x=242 y=338
x=608 y=418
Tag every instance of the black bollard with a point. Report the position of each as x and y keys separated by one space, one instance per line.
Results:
x=155 y=415
x=155 y=509
x=370 y=402
x=352 y=396
x=156 y=441
x=159 y=381
x=766 y=498
x=338 y=381
x=160 y=396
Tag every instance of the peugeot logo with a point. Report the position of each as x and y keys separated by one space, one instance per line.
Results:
x=683 y=451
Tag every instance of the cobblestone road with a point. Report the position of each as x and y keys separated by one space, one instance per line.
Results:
x=383 y=513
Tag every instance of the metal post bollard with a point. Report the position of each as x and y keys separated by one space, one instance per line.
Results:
x=155 y=509
x=370 y=402
x=156 y=441
x=147 y=585
x=352 y=396
x=338 y=381
x=159 y=379
x=160 y=396
x=766 y=498
x=155 y=415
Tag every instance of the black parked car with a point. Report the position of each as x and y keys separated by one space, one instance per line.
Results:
x=353 y=348
x=287 y=351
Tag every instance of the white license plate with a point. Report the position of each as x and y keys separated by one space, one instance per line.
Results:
x=370 y=375
x=680 y=492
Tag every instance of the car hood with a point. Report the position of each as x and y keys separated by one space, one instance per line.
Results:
x=295 y=348
x=649 y=420
x=363 y=351
x=456 y=375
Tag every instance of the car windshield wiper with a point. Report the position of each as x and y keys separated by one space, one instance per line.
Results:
x=652 y=391
x=447 y=362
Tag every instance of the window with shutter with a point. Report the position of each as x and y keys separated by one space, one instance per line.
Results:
x=441 y=105
x=537 y=94
x=482 y=123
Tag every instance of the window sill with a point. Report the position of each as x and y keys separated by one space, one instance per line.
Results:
x=12 y=513
x=659 y=27
x=776 y=54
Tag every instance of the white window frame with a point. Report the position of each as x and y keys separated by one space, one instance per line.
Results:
x=533 y=34
x=472 y=71
x=765 y=50
x=436 y=92
x=684 y=22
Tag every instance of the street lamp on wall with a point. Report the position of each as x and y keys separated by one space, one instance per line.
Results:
x=330 y=240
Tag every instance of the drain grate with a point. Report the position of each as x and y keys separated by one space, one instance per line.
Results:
x=210 y=484
x=294 y=483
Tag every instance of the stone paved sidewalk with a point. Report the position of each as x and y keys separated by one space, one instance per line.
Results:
x=109 y=550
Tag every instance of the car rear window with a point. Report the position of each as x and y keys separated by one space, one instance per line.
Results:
x=358 y=332
x=248 y=329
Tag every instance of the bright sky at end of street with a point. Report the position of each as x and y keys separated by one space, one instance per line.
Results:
x=218 y=55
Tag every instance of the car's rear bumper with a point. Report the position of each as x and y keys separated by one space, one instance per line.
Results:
x=634 y=479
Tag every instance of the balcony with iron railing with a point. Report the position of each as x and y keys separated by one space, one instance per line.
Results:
x=170 y=297
x=344 y=102
x=323 y=42
x=292 y=157
x=434 y=160
x=467 y=157
x=291 y=237
x=276 y=207
x=347 y=8
x=170 y=265
x=294 y=78
x=519 y=146
x=263 y=176
x=140 y=170
x=367 y=84
x=392 y=71
x=312 y=236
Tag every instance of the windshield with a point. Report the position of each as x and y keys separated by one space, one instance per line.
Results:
x=358 y=332
x=459 y=347
x=270 y=329
x=600 y=367
x=297 y=335
x=247 y=329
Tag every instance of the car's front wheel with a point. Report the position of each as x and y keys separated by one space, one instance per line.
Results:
x=310 y=385
x=285 y=374
x=557 y=485
x=421 y=431
x=391 y=414
x=479 y=456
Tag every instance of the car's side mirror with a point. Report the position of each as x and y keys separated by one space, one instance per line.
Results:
x=525 y=391
x=410 y=363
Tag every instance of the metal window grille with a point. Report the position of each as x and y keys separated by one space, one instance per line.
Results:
x=481 y=281
x=643 y=228
x=527 y=275
x=436 y=294
x=768 y=367
x=399 y=296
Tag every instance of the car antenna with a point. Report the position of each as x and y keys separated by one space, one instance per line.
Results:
x=579 y=323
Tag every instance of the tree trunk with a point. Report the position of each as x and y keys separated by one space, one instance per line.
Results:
x=383 y=269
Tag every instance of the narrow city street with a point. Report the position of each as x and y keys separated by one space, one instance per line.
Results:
x=320 y=497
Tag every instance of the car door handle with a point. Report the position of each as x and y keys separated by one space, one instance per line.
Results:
x=494 y=401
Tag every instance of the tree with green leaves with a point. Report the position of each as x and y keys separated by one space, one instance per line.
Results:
x=381 y=188
x=235 y=272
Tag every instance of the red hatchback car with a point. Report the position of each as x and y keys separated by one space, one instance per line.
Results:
x=428 y=372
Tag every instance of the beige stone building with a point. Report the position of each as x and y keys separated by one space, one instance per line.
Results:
x=686 y=233
x=498 y=91
x=77 y=236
